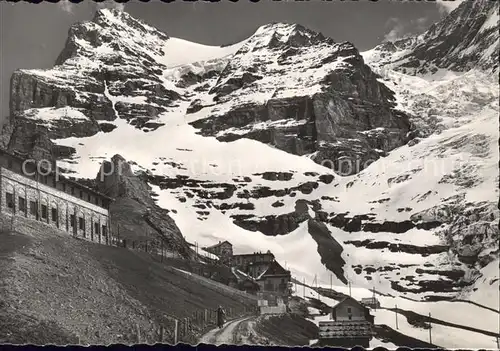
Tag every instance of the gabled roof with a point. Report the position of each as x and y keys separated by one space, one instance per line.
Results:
x=274 y=269
x=348 y=298
x=365 y=309
x=241 y=277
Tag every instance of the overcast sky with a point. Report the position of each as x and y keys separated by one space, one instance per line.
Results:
x=32 y=36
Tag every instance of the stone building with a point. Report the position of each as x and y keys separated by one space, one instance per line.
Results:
x=28 y=189
x=253 y=264
x=275 y=282
x=224 y=250
x=351 y=325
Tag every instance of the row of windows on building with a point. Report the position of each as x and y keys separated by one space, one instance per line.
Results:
x=44 y=214
x=51 y=180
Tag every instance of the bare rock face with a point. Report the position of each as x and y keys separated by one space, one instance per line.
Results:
x=122 y=81
x=328 y=248
x=139 y=218
x=31 y=141
x=467 y=38
x=342 y=113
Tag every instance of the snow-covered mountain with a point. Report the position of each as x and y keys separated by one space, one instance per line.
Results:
x=339 y=162
x=465 y=39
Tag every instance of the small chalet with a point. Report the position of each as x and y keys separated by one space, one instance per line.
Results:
x=244 y=282
x=351 y=325
x=224 y=250
x=350 y=309
x=275 y=281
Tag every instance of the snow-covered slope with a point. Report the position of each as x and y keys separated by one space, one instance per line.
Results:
x=467 y=38
x=231 y=140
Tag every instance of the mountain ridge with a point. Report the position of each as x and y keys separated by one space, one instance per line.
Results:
x=464 y=39
x=233 y=141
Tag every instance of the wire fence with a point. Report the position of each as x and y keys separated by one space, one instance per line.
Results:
x=174 y=330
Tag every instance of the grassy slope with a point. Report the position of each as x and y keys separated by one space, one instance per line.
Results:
x=57 y=289
x=287 y=330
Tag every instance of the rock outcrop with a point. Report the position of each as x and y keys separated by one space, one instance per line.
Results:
x=466 y=38
x=134 y=210
x=108 y=69
x=328 y=248
x=344 y=116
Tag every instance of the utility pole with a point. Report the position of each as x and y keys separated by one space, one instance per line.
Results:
x=304 y=288
x=316 y=282
x=374 y=299
x=349 y=288
x=430 y=329
x=396 y=310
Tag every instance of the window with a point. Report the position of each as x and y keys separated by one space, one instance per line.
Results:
x=104 y=230
x=72 y=221
x=72 y=191
x=33 y=208
x=81 y=222
x=89 y=198
x=64 y=187
x=81 y=194
x=44 y=212
x=96 y=200
x=96 y=228
x=349 y=310
x=54 y=214
x=9 y=197
x=22 y=204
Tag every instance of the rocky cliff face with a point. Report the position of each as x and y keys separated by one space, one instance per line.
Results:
x=134 y=211
x=225 y=136
x=112 y=56
x=467 y=38
x=332 y=107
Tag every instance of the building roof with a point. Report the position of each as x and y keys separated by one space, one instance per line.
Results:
x=255 y=254
x=219 y=244
x=344 y=329
x=274 y=269
x=241 y=276
x=346 y=299
x=356 y=302
x=66 y=179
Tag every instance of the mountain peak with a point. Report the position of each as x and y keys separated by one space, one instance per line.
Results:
x=278 y=34
x=464 y=39
x=111 y=31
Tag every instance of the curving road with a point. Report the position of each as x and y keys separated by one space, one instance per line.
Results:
x=229 y=334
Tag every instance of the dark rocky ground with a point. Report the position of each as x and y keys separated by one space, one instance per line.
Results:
x=57 y=289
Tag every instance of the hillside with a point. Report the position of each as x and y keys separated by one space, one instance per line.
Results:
x=56 y=289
